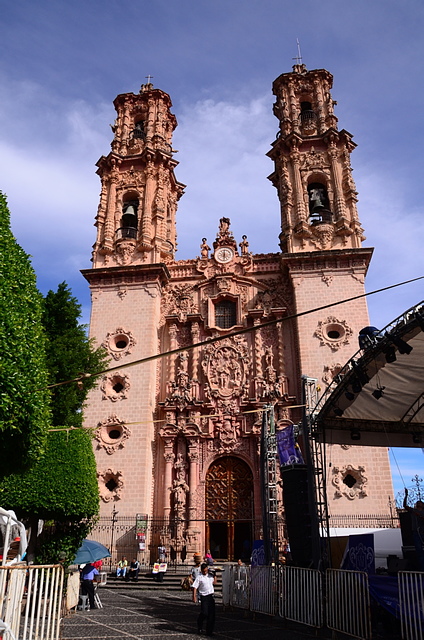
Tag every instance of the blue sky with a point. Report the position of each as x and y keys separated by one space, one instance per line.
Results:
x=62 y=64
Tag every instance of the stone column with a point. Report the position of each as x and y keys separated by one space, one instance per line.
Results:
x=169 y=457
x=300 y=203
x=281 y=360
x=340 y=205
x=146 y=227
x=172 y=330
x=109 y=235
x=193 y=529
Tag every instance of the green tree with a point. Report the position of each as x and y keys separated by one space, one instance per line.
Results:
x=70 y=353
x=24 y=398
x=62 y=487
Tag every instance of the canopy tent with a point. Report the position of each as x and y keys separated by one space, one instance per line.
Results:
x=377 y=398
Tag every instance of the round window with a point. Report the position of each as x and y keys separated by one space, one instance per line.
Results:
x=335 y=331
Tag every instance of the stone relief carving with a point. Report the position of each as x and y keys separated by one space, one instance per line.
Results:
x=330 y=372
x=180 y=301
x=350 y=482
x=227 y=431
x=333 y=333
x=115 y=386
x=226 y=366
x=180 y=390
x=125 y=251
x=111 y=434
x=111 y=484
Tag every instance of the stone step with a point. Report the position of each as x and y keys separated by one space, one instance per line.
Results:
x=171 y=581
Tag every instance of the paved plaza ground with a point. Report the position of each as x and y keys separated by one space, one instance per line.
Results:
x=149 y=615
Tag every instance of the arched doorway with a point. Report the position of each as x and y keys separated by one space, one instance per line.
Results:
x=229 y=509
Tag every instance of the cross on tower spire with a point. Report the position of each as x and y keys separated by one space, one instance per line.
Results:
x=298 y=58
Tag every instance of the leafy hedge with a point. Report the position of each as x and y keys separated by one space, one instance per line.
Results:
x=62 y=486
x=24 y=399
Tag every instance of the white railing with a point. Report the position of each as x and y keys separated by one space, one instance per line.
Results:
x=411 y=603
x=301 y=597
x=263 y=590
x=348 y=603
x=31 y=601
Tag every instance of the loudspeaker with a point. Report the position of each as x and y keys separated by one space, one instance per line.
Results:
x=298 y=518
x=406 y=528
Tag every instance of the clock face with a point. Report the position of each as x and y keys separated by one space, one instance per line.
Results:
x=224 y=254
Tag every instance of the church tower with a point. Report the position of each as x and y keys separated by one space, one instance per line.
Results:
x=136 y=238
x=323 y=258
x=177 y=437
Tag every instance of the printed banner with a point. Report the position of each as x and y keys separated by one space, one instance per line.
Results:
x=288 y=451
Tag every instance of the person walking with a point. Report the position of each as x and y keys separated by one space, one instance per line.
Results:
x=204 y=586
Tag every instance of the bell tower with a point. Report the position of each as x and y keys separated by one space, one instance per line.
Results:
x=324 y=261
x=312 y=173
x=135 y=244
x=321 y=236
x=136 y=216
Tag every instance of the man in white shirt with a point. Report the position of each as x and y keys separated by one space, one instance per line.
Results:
x=203 y=585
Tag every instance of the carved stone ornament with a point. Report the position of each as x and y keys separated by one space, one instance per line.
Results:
x=111 y=434
x=331 y=371
x=323 y=235
x=115 y=386
x=180 y=390
x=111 y=484
x=226 y=365
x=333 y=333
x=119 y=343
x=180 y=301
x=227 y=431
x=350 y=482
x=124 y=252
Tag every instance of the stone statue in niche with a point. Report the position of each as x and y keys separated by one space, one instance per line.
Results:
x=181 y=387
x=180 y=487
x=271 y=387
x=180 y=467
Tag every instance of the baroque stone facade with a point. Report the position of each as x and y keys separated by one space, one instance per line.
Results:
x=177 y=432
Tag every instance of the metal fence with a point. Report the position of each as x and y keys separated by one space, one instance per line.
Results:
x=411 y=603
x=236 y=586
x=263 y=590
x=119 y=535
x=301 y=596
x=370 y=521
x=348 y=603
x=31 y=601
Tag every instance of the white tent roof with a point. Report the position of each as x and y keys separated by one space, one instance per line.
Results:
x=349 y=413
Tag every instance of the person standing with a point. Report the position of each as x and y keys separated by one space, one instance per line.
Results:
x=161 y=553
x=88 y=574
x=204 y=586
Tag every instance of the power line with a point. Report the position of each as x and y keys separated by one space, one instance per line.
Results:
x=231 y=335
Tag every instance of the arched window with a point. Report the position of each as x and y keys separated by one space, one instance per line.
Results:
x=225 y=314
x=129 y=220
x=307 y=114
x=318 y=203
x=138 y=131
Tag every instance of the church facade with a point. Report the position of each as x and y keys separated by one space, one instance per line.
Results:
x=177 y=428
